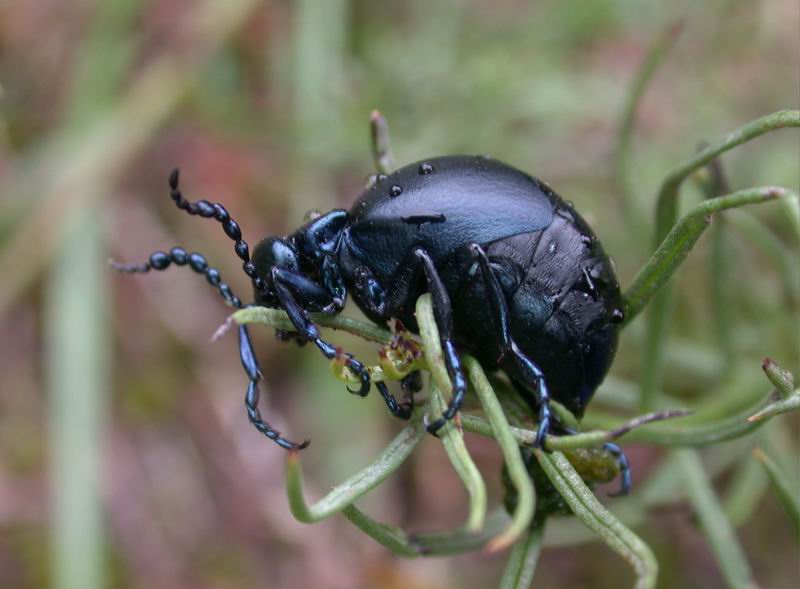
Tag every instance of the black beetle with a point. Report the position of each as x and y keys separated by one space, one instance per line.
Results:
x=517 y=279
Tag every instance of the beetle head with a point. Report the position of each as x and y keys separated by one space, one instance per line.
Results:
x=269 y=254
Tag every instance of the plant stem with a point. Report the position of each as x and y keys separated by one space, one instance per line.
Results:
x=346 y=493
x=278 y=319
x=526 y=495
x=678 y=243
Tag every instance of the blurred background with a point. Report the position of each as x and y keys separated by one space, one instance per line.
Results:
x=126 y=459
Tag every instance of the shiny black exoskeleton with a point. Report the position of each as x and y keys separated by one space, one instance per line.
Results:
x=517 y=279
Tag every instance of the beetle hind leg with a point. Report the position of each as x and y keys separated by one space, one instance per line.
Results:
x=531 y=374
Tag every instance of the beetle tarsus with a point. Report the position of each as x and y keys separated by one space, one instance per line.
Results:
x=400 y=410
x=624 y=469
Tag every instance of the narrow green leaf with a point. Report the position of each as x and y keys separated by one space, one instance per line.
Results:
x=363 y=481
x=392 y=537
x=667 y=204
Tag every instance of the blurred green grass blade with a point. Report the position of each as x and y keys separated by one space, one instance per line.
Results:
x=635 y=217
x=64 y=167
x=744 y=493
x=783 y=490
x=718 y=529
x=597 y=518
x=782 y=255
x=77 y=383
x=522 y=561
x=650 y=286
x=77 y=327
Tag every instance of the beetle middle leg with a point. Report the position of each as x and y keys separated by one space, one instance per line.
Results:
x=531 y=373
x=443 y=313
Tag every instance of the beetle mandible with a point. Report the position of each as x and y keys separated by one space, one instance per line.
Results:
x=516 y=276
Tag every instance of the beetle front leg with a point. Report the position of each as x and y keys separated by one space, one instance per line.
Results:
x=286 y=284
x=443 y=313
x=250 y=364
x=531 y=373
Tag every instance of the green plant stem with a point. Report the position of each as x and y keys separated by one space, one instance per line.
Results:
x=719 y=533
x=666 y=214
x=453 y=442
x=678 y=243
x=448 y=542
x=590 y=439
x=521 y=564
x=460 y=541
x=280 y=320
x=791 y=403
x=694 y=434
x=391 y=537
x=452 y=437
x=429 y=333
x=526 y=495
x=596 y=517
x=346 y=493
x=667 y=203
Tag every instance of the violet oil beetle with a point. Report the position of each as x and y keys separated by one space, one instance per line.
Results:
x=517 y=279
